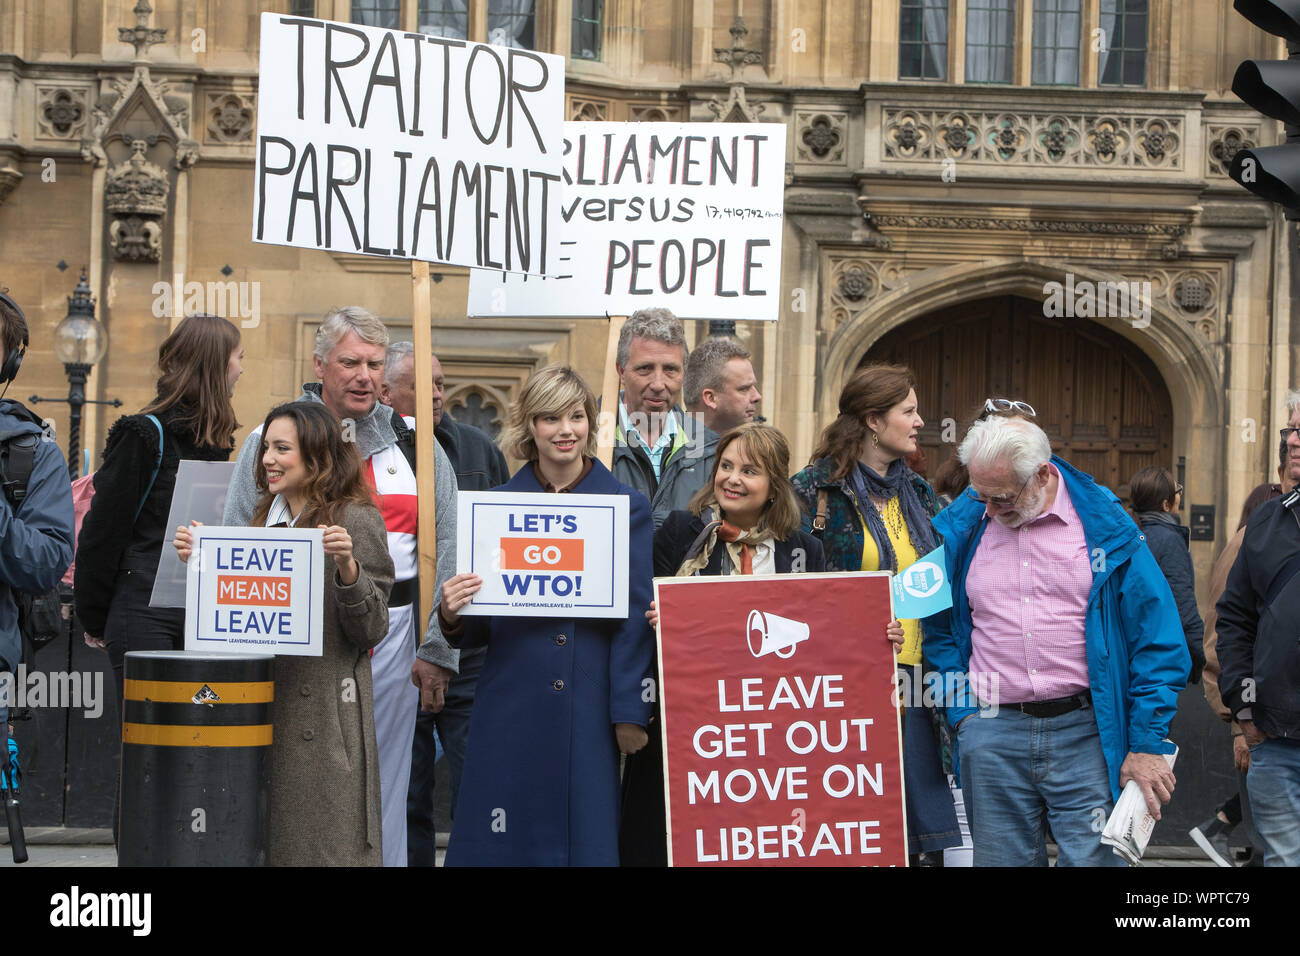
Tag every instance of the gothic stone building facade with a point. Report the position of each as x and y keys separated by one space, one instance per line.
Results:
x=948 y=161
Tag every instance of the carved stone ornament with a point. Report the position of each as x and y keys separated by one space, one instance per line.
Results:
x=117 y=104
x=10 y=177
x=230 y=118
x=588 y=111
x=821 y=136
x=1225 y=142
x=61 y=112
x=655 y=114
x=1065 y=138
x=735 y=108
x=135 y=195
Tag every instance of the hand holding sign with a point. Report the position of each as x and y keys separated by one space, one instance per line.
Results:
x=183 y=542
x=457 y=591
x=338 y=544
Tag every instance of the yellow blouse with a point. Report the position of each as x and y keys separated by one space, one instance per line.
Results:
x=905 y=552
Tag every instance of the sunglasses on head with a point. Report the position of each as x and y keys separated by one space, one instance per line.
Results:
x=1005 y=406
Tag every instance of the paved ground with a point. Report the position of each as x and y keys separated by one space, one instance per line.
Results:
x=67 y=846
x=63 y=846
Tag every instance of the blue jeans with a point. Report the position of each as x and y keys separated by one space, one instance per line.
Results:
x=1274 y=787
x=452 y=724
x=1021 y=773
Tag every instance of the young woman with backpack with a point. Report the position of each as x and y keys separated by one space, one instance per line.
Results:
x=121 y=538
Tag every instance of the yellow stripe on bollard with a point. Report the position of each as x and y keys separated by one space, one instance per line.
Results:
x=180 y=735
x=184 y=692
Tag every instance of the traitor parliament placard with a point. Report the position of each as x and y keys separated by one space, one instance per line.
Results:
x=687 y=216
x=255 y=589
x=544 y=555
x=781 y=738
x=388 y=143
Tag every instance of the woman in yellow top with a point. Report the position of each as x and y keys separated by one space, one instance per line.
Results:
x=873 y=513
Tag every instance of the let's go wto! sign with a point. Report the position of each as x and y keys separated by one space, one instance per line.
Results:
x=255 y=589
x=544 y=555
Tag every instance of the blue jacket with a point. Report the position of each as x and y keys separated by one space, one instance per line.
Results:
x=540 y=785
x=1137 y=657
x=35 y=539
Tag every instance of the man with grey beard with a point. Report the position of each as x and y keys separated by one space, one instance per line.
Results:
x=1059 y=604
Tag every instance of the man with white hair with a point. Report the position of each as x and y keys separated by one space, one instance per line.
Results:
x=1065 y=645
x=349 y=356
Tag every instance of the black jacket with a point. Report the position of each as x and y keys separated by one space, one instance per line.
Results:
x=111 y=539
x=478 y=462
x=680 y=529
x=1259 y=621
x=1168 y=540
x=641 y=839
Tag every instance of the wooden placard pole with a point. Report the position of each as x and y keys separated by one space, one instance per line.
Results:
x=426 y=527
x=609 y=393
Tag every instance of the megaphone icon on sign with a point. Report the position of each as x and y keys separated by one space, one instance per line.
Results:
x=768 y=633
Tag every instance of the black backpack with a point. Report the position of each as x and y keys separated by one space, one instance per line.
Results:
x=40 y=615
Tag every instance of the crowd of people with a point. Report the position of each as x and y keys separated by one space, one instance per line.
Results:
x=1073 y=628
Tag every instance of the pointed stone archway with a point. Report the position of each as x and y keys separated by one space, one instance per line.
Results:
x=1101 y=400
x=1183 y=359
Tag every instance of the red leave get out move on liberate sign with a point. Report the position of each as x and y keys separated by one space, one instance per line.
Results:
x=781 y=736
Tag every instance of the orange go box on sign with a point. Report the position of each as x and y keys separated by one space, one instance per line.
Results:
x=541 y=554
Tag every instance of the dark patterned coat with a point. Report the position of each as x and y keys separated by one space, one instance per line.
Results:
x=845 y=533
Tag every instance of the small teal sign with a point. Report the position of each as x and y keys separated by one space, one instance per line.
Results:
x=923 y=588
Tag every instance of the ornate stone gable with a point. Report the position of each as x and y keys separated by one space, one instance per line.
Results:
x=135 y=195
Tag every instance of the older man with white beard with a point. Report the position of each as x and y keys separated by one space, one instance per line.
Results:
x=1057 y=603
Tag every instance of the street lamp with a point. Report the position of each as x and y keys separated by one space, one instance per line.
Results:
x=79 y=342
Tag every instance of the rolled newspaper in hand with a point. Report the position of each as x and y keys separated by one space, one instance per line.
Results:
x=1130 y=825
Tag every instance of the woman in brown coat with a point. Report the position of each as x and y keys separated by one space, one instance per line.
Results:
x=324 y=802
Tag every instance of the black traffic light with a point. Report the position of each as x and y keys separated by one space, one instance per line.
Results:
x=1273 y=88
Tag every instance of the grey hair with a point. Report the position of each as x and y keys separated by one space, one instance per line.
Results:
x=1292 y=401
x=1016 y=441
x=340 y=321
x=393 y=361
x=705 y=367
x=657 y=324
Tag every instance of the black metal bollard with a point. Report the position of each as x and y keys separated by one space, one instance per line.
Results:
x=196 y=759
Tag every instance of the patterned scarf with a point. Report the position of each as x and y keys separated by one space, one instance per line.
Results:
x=740 y=547
x=865 y=484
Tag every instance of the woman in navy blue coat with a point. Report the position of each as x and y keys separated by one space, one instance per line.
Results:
x=558 y=699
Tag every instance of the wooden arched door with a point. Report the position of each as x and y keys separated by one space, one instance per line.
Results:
x=1099 y=398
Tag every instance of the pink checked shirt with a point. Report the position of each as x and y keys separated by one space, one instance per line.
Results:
x=1028 y=589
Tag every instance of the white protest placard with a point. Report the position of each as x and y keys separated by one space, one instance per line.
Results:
x=199 y=495
x=255 y=589
x=544 y=555
x=400 y=144
x=687 y=216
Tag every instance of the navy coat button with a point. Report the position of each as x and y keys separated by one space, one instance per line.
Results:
x=558 y=685
x=561 y=640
